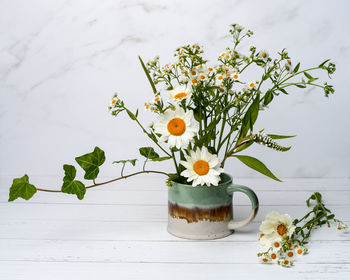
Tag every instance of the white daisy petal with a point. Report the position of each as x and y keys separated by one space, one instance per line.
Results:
x=200 y=171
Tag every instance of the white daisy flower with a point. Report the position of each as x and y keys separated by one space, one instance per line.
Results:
x=264 y=55
x=252 y=85
x=177 y=127
x=289 y=66
x=275 y=227
x=220 y=78
x=180 y=93
x=202 y=168
x=202 y=76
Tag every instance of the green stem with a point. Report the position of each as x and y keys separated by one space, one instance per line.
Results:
x=176 y=166
x=145 y=131
x=110 y=181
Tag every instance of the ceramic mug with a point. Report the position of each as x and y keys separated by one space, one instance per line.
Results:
x=206 y=212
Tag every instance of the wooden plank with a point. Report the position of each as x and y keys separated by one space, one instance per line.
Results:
x=13 y=211
x=160 y=197
x=160 y=252
x=137 y=231
x=24 y=270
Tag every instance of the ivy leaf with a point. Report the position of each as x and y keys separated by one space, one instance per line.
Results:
x=91 y=162
x=21 y=188
x=70 y=185
x=275 y=136
x=149 y=153
x=257 y=165
x=132 y=161
x=161 y=158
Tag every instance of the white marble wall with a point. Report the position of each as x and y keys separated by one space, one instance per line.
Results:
x=61 y=61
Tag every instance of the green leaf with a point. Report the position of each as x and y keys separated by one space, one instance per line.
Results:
x=149 y=153
x=148 y=76
x=275 y=136
x=70 y=185
x=307 y=75
x=131 y=115
x=296 y=68
x=161 y=158
x=257 y=165
x=21 y=188
x=323 y=63
x=250 y=116
x=268 y=97
x=132 y=161
x=90 y=163
x=301 y=86
x=244 y=146
x=282 y=90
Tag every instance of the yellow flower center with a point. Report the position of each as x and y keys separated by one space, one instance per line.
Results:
x=276 y=244
x=265 y=260
x=235 y=76
x=300 y=251
x=201 y=167
x=202 y=77
x=193 y=73
x=251 y=85
x=156 y=99
x=286 y=262
x=263 y=54
x=281 y=229
x=194 y=81
x=273 y=256
x=180 y=95
x=114 y=101
x=176 y=126
x=290 y=254
x=220 y=77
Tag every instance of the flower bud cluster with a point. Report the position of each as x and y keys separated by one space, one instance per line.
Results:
x=262 y=138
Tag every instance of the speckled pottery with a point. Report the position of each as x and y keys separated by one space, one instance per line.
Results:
x=206 y=212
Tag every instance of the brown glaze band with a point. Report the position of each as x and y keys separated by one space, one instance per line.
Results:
x=219 y=214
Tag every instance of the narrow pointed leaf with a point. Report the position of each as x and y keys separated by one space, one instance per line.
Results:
x=275 y=136
x=257 y=165
x=148 y=76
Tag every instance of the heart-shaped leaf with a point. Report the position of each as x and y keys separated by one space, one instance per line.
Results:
x=70 y=185
x=149 y=153
x=21 y=188
x=90 y=163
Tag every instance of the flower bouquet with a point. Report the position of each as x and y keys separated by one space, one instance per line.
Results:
x=205 y=114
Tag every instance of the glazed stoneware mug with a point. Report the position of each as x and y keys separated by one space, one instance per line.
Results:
x=206 y=212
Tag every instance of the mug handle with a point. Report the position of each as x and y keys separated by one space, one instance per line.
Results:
x=253 y=199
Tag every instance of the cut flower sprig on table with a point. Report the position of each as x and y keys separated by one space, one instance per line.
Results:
x=284 y=239
x=205 y=114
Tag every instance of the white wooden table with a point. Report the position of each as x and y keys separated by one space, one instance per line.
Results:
x=119 y=232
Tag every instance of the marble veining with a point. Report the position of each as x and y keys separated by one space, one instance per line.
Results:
x=61 y=61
